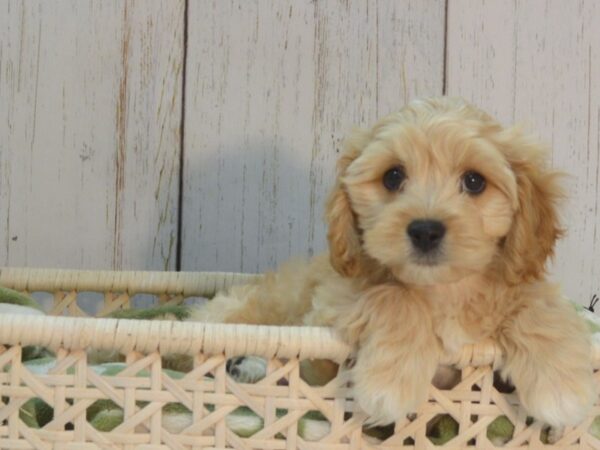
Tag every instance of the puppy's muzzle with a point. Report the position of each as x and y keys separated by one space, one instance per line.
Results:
x=426 y=235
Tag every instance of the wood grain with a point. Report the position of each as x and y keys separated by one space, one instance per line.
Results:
x=90 y=109
x=90 y=115
x=271 y=89
x=538 y=62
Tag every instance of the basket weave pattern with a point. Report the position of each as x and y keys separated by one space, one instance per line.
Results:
x=71 y=386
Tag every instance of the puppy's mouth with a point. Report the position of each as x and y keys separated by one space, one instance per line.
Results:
x=426 y=269
x=429 y=259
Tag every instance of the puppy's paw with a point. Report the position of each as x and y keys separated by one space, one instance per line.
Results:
x=386 y=402
x=247 y=369
x=381 y=408
x=560 y=400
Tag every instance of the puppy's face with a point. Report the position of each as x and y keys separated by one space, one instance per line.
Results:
x=432 y=200
x=434 y=194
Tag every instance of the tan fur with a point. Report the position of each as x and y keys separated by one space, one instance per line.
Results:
x=487 y=281
x=345 y=249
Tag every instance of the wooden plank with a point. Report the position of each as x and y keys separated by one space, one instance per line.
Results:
x=271 y=89
x=90 y=113
x=537 y=62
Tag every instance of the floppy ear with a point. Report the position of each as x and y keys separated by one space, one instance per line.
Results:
x=343 y=235
x=535 y=229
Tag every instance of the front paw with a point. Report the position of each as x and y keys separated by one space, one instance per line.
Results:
x=388 y=399
x=559 y=399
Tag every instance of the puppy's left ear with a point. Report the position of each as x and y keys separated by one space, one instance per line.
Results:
x=345 y=245
x=536 y=228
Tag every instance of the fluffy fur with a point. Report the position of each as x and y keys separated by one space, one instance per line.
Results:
x=486 y=281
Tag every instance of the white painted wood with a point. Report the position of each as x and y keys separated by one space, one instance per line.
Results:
x=538 y=62
x=90 y=101
x=271 y=89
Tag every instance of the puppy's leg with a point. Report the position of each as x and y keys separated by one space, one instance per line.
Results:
x=398 y=352
x=281 y=298
x=548 y=358
x=237 y=305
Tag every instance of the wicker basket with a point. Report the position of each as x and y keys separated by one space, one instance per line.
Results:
x=71 y=386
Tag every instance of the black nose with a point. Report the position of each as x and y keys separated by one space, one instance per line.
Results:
x=426 y=235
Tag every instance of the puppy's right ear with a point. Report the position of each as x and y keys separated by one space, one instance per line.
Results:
x=343 y=235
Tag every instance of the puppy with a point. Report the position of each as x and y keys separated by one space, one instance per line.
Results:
x=440 y=225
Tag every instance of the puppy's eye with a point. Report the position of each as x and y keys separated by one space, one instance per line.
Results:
x=473 y=182
x=393 y=178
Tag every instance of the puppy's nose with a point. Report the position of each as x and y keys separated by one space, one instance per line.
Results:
x=426 y=235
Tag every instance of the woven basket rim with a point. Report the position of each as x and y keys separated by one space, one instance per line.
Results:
x=191 y=338
x=167 y=336
x=189 y=284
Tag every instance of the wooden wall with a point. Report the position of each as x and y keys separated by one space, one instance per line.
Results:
x=96 y=173
x=90 y=113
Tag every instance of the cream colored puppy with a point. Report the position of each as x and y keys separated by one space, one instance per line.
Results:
x=440 y=224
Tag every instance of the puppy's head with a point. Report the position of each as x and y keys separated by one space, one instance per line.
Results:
x=440 y=191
